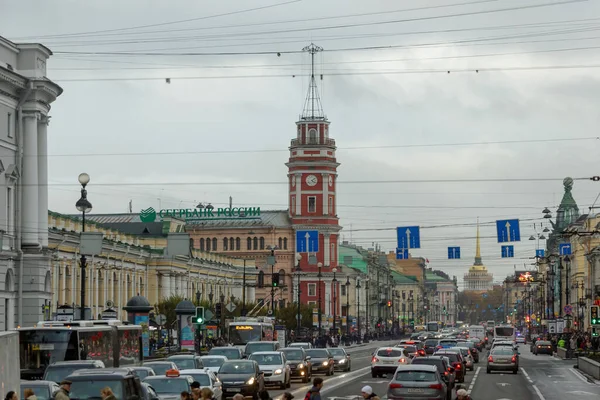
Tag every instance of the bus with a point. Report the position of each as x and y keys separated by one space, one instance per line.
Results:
x=111 y=341
x=504 y=332
x=245 y=329
x=433 y=326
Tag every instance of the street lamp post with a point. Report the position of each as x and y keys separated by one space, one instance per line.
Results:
x=368 y=322
x=84 y=206
x=358 y=309
x=211 y=296
x=348 y=306
x=272 y=262
x=243 y=312
x=198 y=295
x=299 y=316
x=334 y=281
x=319 y=266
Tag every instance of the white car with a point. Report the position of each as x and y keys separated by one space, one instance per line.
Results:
x=274 y=367
x=302 y=345
x=206 y=379
x=213 y=363
x=385 y=360
x=521 y=339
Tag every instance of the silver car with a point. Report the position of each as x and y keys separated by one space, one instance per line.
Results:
x=274 y=367
x=503 y=358
x=417 y=382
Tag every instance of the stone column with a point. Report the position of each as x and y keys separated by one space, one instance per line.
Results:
x=30 y=210
x=326 y=250
x=63 y=295
x=325 y=178
x=96 y=291
x=42 y=167
x=298 y=194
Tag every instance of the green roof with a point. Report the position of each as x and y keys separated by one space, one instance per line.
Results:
x=431 y=277
x=358 y=261
x=404 y=279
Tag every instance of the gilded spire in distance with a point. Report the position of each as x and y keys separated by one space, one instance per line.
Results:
x=478 y=248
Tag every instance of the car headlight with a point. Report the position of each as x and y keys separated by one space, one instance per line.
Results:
x=343 y=361
x=250 y=381
x=278 y=371
x=325 y=363
x=300 y=366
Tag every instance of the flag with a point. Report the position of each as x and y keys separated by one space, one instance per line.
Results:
x=427 y=260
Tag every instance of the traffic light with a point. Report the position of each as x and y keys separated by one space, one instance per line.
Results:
x=199 y=315
x=218 y=310
x=594 y=315
x=275 y=279
x=389 y=303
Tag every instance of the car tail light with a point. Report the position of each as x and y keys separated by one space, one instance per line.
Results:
x=375 y=359
x=437 y=386
x=438 y=347
x=402 y=360
x=421 y=352
x=490 y=359
x=395 y=386
x=513 y=359
x=457 y=366
x=486 y=339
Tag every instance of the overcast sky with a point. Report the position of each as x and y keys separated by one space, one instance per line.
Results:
x=385 y=85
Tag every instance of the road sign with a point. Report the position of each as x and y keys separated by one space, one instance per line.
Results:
x=568 y=309
x=564 y=249
x=401 y=254
x=307 y=241
x=208 y=315
x=508 y=251
x=540 y=253
x=508 y=230
x=160 y=319
x=408 y=237
x=453 y=253
x=230 y=307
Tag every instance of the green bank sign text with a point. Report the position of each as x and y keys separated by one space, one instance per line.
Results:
x=193 y=214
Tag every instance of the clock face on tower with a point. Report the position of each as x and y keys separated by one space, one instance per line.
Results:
x=311 y=180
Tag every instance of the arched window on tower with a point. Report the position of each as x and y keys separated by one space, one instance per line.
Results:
x=261 y=279
x=312 y=136
x=255 y=243
x=225 y=244
x=249 y=243
x=285 y=243
x=214 y=244
x=280 y=244
x=231 y=244
x=208 y=242
x=262 y=243
x=201 y=244
x=237 y=243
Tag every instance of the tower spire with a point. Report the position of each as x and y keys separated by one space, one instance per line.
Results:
x=478 y=247
x=313 y=110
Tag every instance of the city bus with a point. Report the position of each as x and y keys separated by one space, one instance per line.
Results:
x=504 y=332
x=111 y=341
x=245 y=329
x=433 y=326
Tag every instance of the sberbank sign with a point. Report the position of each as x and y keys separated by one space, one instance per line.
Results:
x=197 y=214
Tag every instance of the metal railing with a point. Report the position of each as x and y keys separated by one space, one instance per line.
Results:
x=313 y=142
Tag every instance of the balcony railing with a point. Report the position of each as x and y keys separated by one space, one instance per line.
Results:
x=313 y=142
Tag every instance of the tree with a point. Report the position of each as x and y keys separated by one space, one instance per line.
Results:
x=167 y=307
x=289 y=316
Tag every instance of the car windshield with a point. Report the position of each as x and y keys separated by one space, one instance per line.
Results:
x=40 y=392
x=448 y=343
x=254 y=347
x=160 y=369
x=316 y=353
x=169 y=385
x=337 y=352
x=428 y=361
x=390 y=353
x=543 y=343
x=57 y=374
x=453 y=357
x=90 y=389
x=202 y=379
x=184 y=363
x=266 y=359
x=431 y=342
x=502 y=351
x=293 y=354
x=410 y=349
x=212 y=361
x=231 y=353
x=141 y=373
x=236 y=368
x=415 y=376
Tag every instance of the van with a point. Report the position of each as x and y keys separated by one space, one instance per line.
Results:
x=58 y=371
x=253 y=347
x=476 y=331
x=87 y=383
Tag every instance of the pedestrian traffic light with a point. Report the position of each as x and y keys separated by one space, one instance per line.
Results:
x=218 y=310
x=594 y=315
x=275 y=279
x=199 y=315
x=389 y=303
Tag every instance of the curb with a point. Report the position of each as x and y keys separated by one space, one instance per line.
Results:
x=585 y=376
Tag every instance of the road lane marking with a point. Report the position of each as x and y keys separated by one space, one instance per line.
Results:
x=578 y=375
x=538 y=393
x=526 y=375
x=473 y=381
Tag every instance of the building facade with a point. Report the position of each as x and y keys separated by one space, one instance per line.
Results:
x=25 y=98
x=478 y=278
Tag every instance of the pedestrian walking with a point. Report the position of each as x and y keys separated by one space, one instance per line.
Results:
x=63 y=392
x=11 y=396
x=315 y=392
x=368 y=394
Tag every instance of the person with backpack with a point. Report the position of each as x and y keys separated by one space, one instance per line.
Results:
x=315 y=392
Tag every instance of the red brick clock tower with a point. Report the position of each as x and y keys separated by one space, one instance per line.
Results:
x=312 y=177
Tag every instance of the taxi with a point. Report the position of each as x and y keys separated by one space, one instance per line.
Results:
x=170 y=385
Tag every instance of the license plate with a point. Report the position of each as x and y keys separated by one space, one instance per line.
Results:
x=388 y=362
x=415 y=390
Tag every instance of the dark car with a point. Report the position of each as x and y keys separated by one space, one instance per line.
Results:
x=456 y=362
x=430 y=346
x=161 y=367
x=149 y=392
x=43 y=390
x=445 y=369
x=87 y=383
x=253 y=347
x=300 y=364
x=142 y=372
x=322 y=361
x=59 y=370
x=472 y=349
x=543 y=347
x=341 y=359
x=232 y=353
x=417 y=382
x=241 y=376
x=186 y=361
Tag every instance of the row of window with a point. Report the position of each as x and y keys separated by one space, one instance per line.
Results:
x=312 y=289
x=312 y=204
x=233 y=244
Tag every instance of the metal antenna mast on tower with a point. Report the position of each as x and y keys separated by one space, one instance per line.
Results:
x=313 y=109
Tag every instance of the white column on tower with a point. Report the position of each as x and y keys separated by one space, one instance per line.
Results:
x=42 y=167
x=298 y=194
x=30 y=179
x=326 y=251
x=325 y=178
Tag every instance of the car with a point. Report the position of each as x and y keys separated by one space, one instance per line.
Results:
x=444 y=368
x=322 y=361
x=213 y=363
x=186 y=361
x=543 y=347
x=161 y=367
x=503 y=343
x=412 y=382
x=456 y=361
x=430 y=345
x=252 y=347
x=472 y=350
x=43 y=390
x=412 y=350
x=300 y=363
x=59 y=370
x=87 y=383
x=502 y=358
x=148 y=392
x=417 y=343
x=207 y=379
x=446 y=343
x=142 y=372
x=466 y=354
x=232 y=353
x=520 y=340
x=341 y=359
x=170 y=385
x=385 y=360
x=274 y=366
x=241 y=376
x=302 y=345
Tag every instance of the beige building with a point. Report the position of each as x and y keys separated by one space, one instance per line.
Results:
x=478 y=278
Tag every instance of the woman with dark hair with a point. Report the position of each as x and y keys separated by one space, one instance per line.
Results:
x=11 y=396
